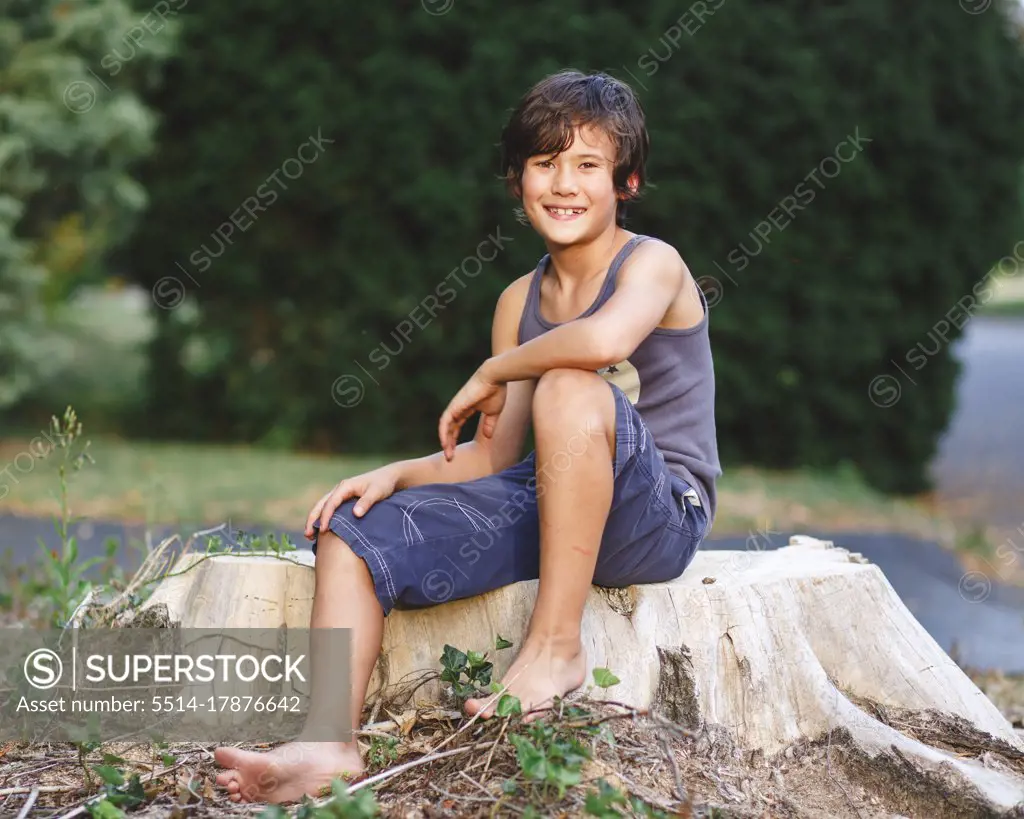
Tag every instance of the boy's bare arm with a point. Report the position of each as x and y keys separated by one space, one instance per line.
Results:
x=485 y=456
x=646 y=287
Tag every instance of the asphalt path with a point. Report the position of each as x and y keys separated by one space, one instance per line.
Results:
x=981 y=455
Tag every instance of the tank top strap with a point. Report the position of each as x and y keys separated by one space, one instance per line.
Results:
x=623 y=254
x=613 y=268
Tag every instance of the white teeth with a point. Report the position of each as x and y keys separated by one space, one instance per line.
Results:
x=566 y=211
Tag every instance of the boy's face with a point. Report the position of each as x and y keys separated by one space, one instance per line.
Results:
x=570 y=197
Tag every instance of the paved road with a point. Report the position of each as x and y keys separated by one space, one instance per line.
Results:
x=988 y=633
x=981 y=455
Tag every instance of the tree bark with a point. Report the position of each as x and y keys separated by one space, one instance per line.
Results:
x=757 y=651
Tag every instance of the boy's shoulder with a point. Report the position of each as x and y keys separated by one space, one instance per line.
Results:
x=654 y=254
x=653 y=247
x=515 y=293
x=508 y=311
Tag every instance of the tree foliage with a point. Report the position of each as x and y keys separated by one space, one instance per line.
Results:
x=69 y=132
x=302 y=323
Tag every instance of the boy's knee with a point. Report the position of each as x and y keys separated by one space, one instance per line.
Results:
x=332 y=551
x=573 y=396
x=565 y=387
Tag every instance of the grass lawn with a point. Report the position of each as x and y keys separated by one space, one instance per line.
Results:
x=1013 y=309
x=198 y=484
x=1007 y=297
x=179 y=483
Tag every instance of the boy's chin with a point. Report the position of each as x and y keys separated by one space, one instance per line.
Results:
x=569 y=233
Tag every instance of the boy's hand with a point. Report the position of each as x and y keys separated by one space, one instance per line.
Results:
x=369 y=487
x=479 y=394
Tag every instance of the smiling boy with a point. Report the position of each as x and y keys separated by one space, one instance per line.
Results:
x=604 y=349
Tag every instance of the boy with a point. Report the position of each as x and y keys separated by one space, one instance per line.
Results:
x=604 y=347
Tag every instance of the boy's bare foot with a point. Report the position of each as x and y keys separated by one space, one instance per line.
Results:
x=541 y=672
x=286 y=773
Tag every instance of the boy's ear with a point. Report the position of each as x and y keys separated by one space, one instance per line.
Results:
x=633 y=184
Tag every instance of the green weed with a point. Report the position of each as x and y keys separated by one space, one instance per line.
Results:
x=342 y=805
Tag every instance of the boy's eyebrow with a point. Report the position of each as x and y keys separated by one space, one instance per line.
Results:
x=580 y=156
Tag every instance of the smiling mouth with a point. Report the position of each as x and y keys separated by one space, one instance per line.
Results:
x=565 y=214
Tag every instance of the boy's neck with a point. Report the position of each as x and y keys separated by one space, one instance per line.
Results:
x=572 y=265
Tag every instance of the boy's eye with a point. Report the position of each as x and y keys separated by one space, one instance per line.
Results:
x=589 y=164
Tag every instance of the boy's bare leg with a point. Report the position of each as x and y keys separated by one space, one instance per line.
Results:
x=574 y=429
x=344 y=598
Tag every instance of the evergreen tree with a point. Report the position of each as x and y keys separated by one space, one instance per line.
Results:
x=893 y=128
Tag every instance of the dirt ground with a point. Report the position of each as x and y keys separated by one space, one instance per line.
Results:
x=680 y=773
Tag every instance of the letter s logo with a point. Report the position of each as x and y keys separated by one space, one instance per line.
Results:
x=43 y=668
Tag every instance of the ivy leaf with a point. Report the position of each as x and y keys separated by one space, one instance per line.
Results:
x=508 y=706
x=531 y=760
x=452 y=658
x=535 y=766
x=599 y=803
x=483 y=674
x=565 y=776
x=501 y=643
x=133 y=795
x=105 y=810
x=604 y=678
x=109 y=774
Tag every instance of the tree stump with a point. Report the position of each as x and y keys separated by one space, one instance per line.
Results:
x=757 y=651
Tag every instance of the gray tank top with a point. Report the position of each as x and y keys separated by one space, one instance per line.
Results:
x=669 y=378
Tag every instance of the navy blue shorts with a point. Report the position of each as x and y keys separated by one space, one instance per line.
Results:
x=438 y=542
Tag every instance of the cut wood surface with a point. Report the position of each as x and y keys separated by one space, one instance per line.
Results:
x=760 y=650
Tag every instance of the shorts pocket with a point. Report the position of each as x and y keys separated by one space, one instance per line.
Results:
x=686 y=519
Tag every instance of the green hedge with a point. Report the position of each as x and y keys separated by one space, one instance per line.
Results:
x=69 y=132
x=745 y=100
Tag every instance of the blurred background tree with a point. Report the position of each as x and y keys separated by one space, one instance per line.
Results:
x=406 y=101
x=742 y=107
x=67 y=196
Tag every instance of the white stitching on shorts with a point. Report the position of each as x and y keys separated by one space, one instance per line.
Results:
x=476 y=528
x=409 y=525
x=631 y=433
x=388 y=579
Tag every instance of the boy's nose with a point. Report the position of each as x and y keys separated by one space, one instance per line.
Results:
x=564 y=184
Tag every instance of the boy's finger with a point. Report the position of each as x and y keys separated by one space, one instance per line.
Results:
x=453 y=436
x=449 y=434
x=335 y=500
x=325 y=516
x=442 y=426
x=314 y=514
x=365 y=502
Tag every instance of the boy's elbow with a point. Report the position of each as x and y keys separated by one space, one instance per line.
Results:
x=612 y=349
x=608 y=345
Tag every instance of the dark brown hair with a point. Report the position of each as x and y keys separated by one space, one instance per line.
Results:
x=544 y=121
